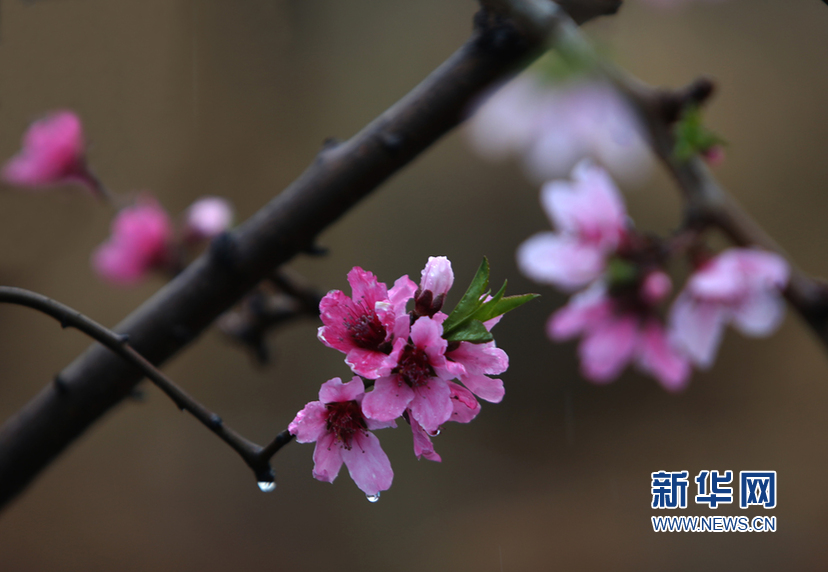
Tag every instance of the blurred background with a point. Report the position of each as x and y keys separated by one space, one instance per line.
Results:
x=194 y=97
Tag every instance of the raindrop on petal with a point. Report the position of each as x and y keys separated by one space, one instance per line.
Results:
x=373 y=498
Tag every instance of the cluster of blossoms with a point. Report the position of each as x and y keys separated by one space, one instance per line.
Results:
x=621 y=282
x=412 y=359
x=144 y=237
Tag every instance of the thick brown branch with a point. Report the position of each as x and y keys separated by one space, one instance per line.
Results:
x=339 y=177
x=256 y=457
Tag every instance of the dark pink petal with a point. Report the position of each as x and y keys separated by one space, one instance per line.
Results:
x=659 y=358
x=431 y=406
x=52 y=153
x=464 y=406
x=118 y=265
x=366 y=287
x=139 y=243
x=309 y=423
x=696 y=327
x=388 y=399
x=334 y=390
x=368 y=464
x=335 y=310
x=327 y=458
x=562 y=261
x=423 y=447
x=368 y=363
x=608 y=348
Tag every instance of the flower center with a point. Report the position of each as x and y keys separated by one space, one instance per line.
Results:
x=344 y=420
x=367 y=332
x=414 y=366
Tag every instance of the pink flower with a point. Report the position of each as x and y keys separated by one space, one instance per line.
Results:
x=207 y=218
x=363 y=326
x=435 y=282
x=343 y=434
x=464 y=408
x=139 y=243
x=741 y=286
x=52 y=154
x=552 y=128
x=479 y=361
x=591 y=223
x=418 y=379
x=616 y=332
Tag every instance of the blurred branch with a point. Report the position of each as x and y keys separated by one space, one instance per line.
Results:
x=706 y=202
x=263 y=310
x=256 y=457
x=340 y=177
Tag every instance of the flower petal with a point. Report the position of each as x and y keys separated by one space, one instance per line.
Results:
x=431 y=405
x=334 y=390
x=562 y=261
x=327 y=458
x=388 y=399
x=696 y=327
x=310 y=423
x=368 y=464
x=659 y=358
x=607 y=349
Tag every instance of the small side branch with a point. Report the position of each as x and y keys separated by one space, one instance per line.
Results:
x=256 y=457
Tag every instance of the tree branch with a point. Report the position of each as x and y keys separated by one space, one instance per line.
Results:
x=256 y=457
x=340 y=176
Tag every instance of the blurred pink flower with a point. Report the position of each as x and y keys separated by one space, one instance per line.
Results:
x=139 y=243
x=207 y=218
x=615 y=334
x=552 y=128
x=343 y=434
x=418 y=378
x=52 y=154
x=591 y=223
x=741 y=286
x=363 y=326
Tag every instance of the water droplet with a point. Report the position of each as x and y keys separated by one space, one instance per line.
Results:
x=267 y=486
x=373 y=498
x=436 y=433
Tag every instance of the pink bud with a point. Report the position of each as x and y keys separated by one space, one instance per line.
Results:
x=715 y=155
x=437 y=276
x=52 y=154
x=207 y=218
x=139 y=243
x=656 y=287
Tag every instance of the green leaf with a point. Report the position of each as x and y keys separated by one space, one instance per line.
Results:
x=472 y=331
x=470 y=302
x=692 y=137
x=494 y=308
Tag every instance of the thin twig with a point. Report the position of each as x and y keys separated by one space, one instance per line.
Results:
x=256 y=457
